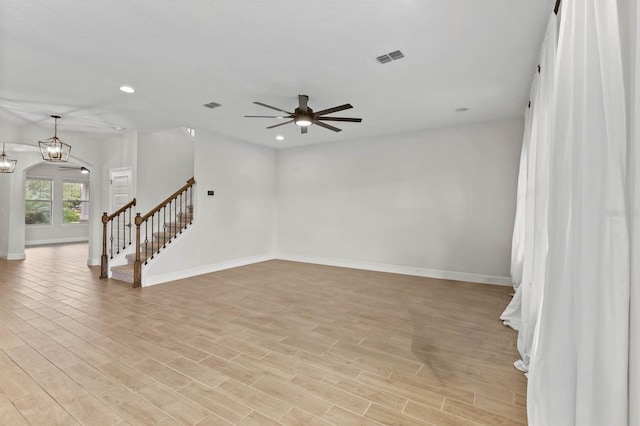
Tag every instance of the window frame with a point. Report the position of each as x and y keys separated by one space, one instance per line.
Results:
x=50 y=200
x=86 y=201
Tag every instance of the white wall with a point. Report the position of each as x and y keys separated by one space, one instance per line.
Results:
x=12 y=227
x=57 y=231
x=237 y=225
x=5 y=206
x=435 y=203
x=164 y=163
x=90 y=150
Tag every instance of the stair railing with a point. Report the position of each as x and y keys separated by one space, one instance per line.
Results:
x=119 y=225
x=161 y=225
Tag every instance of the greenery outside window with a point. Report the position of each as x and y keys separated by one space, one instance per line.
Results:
x=37 y=205
x=75 y=202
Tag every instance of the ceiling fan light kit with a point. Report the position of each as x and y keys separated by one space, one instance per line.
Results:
x=54 y=149
x=303 y=121
x=81 y=169
x=303 y=116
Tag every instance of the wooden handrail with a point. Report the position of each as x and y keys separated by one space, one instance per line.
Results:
x=162 y=229
x=117 y=212
x=106 y=219
x=189 y=183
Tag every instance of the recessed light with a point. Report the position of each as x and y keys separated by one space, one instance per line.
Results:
x=118 y=128
x=280 y=137
x=127 y=89
x=462 y=109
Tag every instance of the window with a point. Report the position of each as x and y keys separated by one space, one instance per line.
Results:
x=75 y=202
x=37 y=205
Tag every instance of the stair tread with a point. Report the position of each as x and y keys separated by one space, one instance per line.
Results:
x=143 y=257
x=122 y=273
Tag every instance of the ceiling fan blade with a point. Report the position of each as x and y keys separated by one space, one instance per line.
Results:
x=334 y=109
x=302 y=102
x=351 y=120
x=272 y=107
x=265 y=116
x=280 y=124
x=304 y=129
x=327 y=126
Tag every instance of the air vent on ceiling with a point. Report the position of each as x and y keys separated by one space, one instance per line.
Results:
x=212 y=105
x=396 y=55
x=393 y=56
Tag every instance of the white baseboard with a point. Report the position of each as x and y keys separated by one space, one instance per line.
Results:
x=214 y=267
x=56 y=241
x=400 y=269
x=12 y=256
x=369 y=266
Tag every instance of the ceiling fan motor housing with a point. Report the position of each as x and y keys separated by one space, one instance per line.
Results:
x=303 y=118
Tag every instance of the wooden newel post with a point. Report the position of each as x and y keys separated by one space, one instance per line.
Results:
x=137 y=265
x=104 y=259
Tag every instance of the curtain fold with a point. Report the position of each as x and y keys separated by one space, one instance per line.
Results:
x=634 y=190
x=534 y=271
x=518 y=240
x=579 y=359
x=529 y=246
x=512 y=314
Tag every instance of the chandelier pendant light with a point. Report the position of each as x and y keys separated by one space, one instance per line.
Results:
x=54 y=149
x=7 y=164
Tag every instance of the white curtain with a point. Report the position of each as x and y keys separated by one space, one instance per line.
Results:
x=579 y=368
x=576 y=244
x=518 y=242
x=530 y=229
x=634 y=190
x=511 y=315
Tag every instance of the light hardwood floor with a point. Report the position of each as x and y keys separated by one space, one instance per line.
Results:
x=271 y=343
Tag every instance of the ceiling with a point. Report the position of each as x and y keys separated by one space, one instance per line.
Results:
x=69 y=57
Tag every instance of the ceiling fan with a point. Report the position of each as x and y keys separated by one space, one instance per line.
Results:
x=82 y=169
x=304 y=116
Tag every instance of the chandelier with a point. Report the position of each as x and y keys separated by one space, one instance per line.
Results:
x=7 y=164
x=54 y=149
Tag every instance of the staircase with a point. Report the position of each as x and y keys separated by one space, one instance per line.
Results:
x=158 y=242
x=154 y=231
